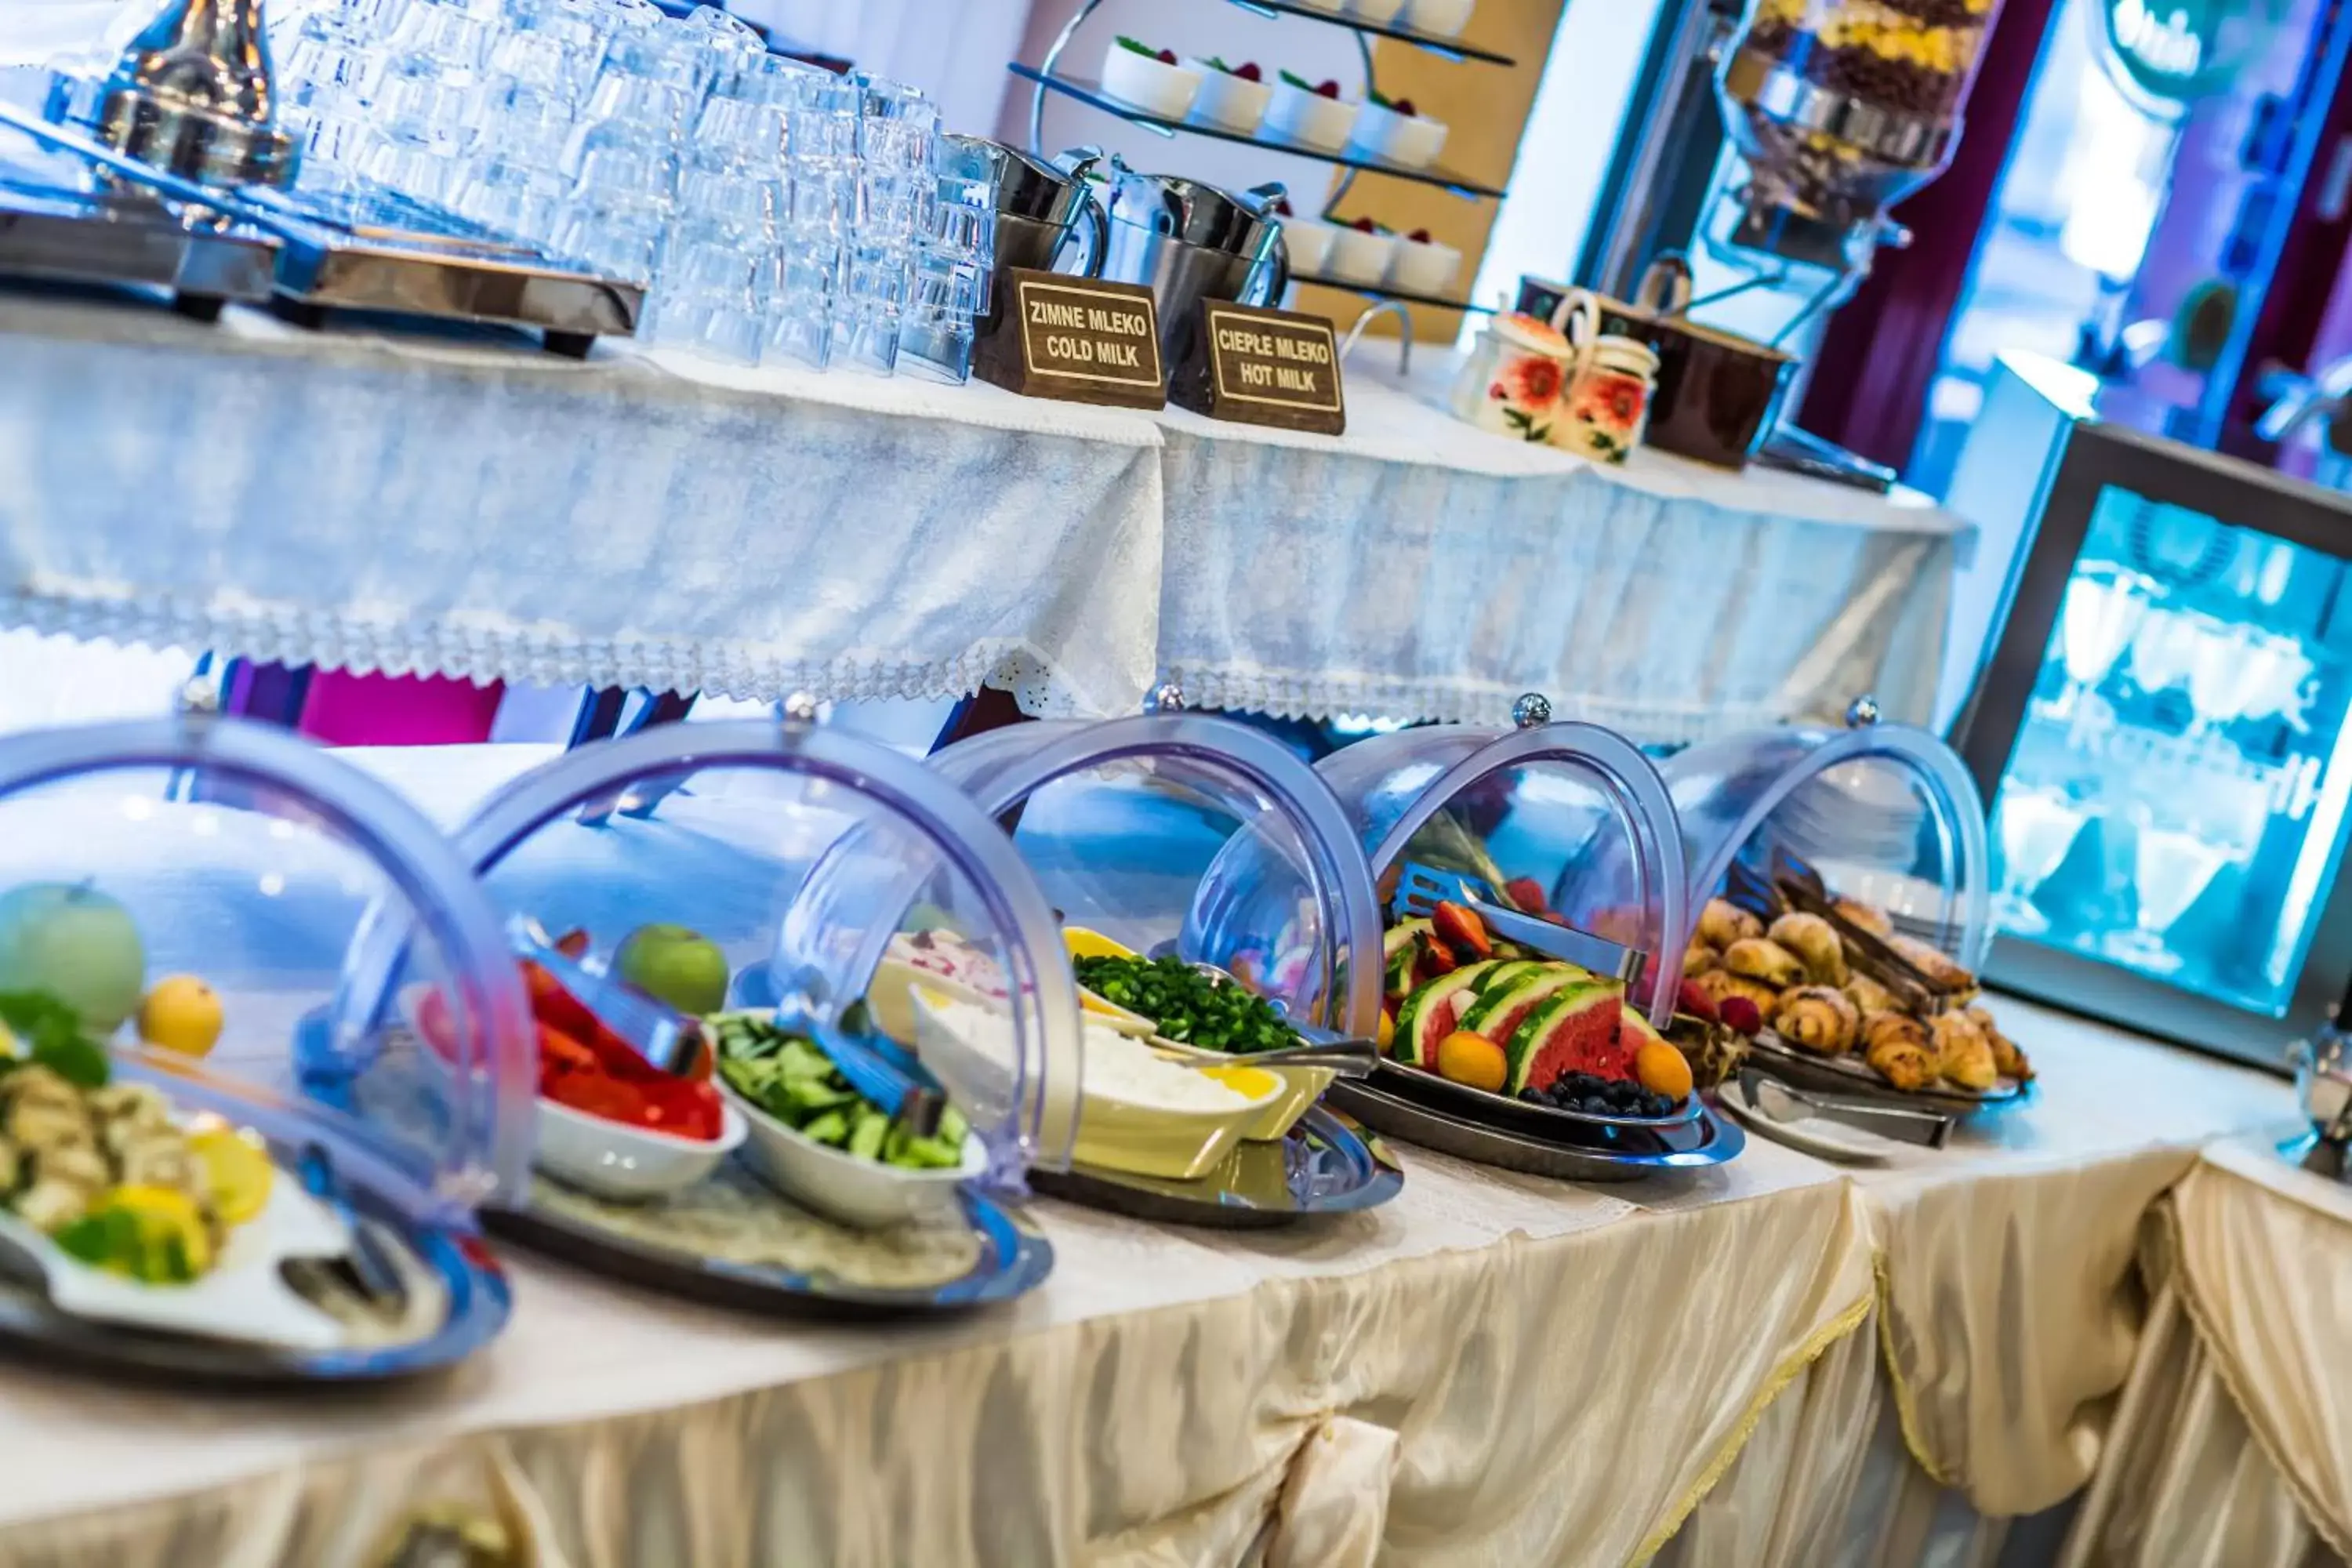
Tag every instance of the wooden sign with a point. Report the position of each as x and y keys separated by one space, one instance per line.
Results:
x=1081 y=340
x=1262 y=367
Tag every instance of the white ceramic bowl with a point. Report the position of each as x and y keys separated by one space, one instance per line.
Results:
x=613 y=1160
x=865 y=1195
x=1380 y=12
x=1408 y=140
x=1440 y=18
x=1227 y=102
x=1308 y=118
x=1360 y=257
x=1150 y=85
x=1423 y=266
x=1308 y=240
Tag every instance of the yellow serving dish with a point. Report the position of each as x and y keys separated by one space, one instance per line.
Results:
x=1112 y=1134
x=1302 y=1086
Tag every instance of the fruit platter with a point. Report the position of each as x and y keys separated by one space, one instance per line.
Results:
x=1213 y=946
x=1531 y=878
x=708 y=1130
x=173 y=1207
x=1831 y=992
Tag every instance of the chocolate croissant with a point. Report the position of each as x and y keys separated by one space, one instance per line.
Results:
x=1819 y=1018
x=1963 y=1054
x=1723 y=923
x=1932 y=963
x=1816 y=943
x=1896 y=1047
x=1869 y=917
x=1761 y=958
x=1699 y=957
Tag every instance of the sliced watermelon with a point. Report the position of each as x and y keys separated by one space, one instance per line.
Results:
x=1636 y=1030
x=1574 y=1031
x=1508 y=973
x=1502 y=1007
x=1428 y=1014
x=1402 y=936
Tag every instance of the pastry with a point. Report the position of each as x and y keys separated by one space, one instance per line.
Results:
x=1868 y=995
x=1869 y=917
x=1699 y=957
x=1816 y=942
x=1896 y=1047
x=1963 y=1055
x=2006 y=1057
x=1931 y=962
x=1722 y=922
x=1761 y=958
x=1717 y=983
x=1818 y=1017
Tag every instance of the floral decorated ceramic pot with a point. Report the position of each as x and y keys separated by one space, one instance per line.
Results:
x=1514 y=378
x=1608 y=400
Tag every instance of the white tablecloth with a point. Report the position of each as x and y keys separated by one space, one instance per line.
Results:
x=427 y=507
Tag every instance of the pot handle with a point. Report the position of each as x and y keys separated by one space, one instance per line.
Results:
x=1577 y=319
x=1666 y=285
x=1273 y=269
x=1097 y=243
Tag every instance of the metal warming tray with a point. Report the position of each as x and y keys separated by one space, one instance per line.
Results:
x=62 y=235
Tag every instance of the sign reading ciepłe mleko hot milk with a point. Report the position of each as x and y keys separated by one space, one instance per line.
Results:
x=1262 y=367
x=1078 y=339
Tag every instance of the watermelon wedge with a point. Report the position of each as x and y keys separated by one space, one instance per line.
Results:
x=1502 y=1007
x=1508 y=973
x=1574 y=1030
x=1428 y=1014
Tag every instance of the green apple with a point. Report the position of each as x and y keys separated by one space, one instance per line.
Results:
x=681 y=967
x=76 y=943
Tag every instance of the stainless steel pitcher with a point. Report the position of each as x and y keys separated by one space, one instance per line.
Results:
x=1188 y=242
x=1046 y=215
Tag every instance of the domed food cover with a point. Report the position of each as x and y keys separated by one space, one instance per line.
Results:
x=205 y=1102
x=1565 y=823
x=1196 y=830
x=738 y=868
x=1885 y=814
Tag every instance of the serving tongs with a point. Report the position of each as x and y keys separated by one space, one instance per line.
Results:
x=877 y=1067
x=1782 y=1102
x=1795 y=885
x=664 y=1037
x=1422 y=889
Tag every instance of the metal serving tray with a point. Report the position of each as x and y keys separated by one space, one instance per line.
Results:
x=52 y=235
x=1614 y=1154
x=1327 y=1165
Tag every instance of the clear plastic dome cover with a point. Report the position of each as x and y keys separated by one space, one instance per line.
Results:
x=1196 y=829
x=799 y=852
x=1568 y=819
x=140 y=859
x=1886 y=815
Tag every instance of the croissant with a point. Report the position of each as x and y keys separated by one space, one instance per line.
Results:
x=1722 y=922
x=1819 y=1018
x=1717 y=983
x=1698 y=957
x=1963 y=1055
x=1896 y=1047
x=2011 y=1061
x=1869 y=917
x=1868 y=995
x=1816 y=942
x=1761 y=958
x=1930 y=962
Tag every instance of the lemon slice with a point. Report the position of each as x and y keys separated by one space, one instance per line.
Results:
x=172 y=1246
x=1085 y=944
x=1251 y=1083
x=238 y=1169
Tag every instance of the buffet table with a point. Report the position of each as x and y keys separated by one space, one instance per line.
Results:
x=2009 y=1313
x=2230 y=1443
x=467 y=508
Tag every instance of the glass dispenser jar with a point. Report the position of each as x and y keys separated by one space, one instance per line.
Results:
x=215 y=1128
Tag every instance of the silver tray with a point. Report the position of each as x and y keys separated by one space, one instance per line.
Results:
x=1327 y=1165
x=1848 y=1076
x=52 y=235
x=1538 y=1120
x=1009 y=1259
x=1615 y=1155
x=480 y=1303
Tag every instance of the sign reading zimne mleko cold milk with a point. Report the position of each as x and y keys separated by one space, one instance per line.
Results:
x=1079 y=339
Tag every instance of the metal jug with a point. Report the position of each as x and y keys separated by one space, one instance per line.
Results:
x=1046 y=215
x=1188 y=242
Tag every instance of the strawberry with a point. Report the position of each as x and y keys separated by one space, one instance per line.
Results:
x=1692 y=1000
x=1527 y=894
x=1404 y=106
x=1248 y=70
x=1282 y=208
x=1742 y=1015
x=1420 y=236
x=1166 y=56
x=1365 y=225
x=1328 y=89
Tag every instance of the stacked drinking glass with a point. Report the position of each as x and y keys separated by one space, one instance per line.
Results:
x=773 y=210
